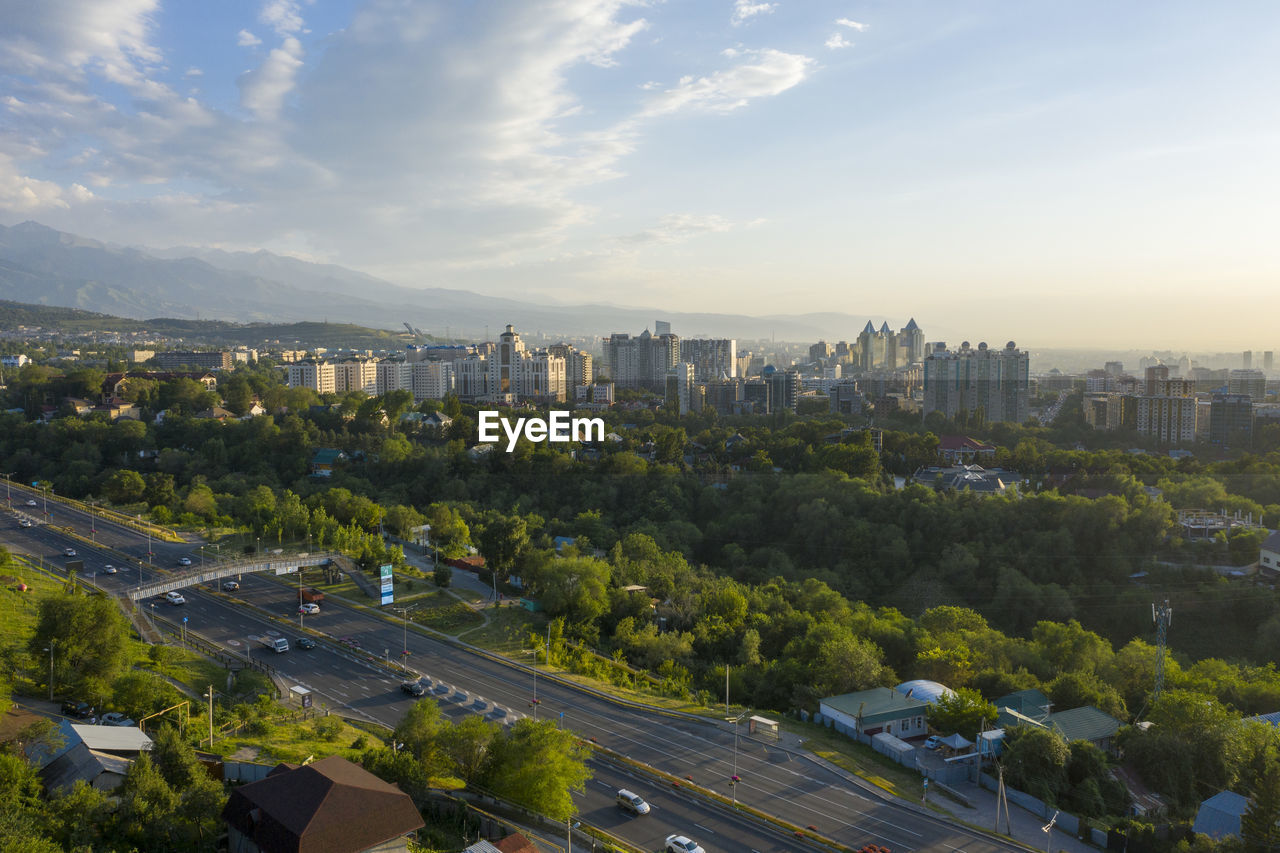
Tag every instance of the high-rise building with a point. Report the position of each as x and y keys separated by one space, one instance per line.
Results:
x=660 y=328
x=1170 y=420
x=471 y=377
x=911 y=343
x=1115 y=368
x=394 y=376
x=318 y=376
x=681 y=387
x=578 y=365
x=541 y=378
x=1231 y=420
x=1251 y=383
x=1268 y=360
x=359 y=375
x=432 y=380
x=217 y=360
x=504 y=366
x=995 y=383
x=1247 y=361
x=641 y=361
x=712 y=358
x=757 y=392
x=784 y=389
x=821 y=351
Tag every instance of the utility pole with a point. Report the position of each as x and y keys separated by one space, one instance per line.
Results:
x=210 y=695
x=726 y=690
x=50 y=669
x=1162 y=615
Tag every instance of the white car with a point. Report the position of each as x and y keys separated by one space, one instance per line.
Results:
x=24 y=523
x=230 y=586
x=309 y=608
x=108 y=569
x=31 y=503
x=70 y=552
x=681 y=844
x=184 y=561
x=174 y=598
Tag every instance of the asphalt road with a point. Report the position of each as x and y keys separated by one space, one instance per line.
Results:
x=773 y=780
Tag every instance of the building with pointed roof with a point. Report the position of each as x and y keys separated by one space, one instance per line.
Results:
x=328 y=806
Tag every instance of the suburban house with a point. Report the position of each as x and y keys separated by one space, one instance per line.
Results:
x=881 y=709
x=96 y=755
x=324 y=460
x=1269 y=554
x=515 y=843
x=967 y=478
x=330 y=805
x=963 y=450
x=1029 y=703
x=1088 y=723
x=1219 y=816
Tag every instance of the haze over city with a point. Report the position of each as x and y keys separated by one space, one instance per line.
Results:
x=1062 y=176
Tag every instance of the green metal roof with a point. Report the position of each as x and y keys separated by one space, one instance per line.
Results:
x=1033 y=703
x=1087 y=723
x=877 y=705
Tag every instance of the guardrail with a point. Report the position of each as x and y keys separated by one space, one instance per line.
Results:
x=115 y=516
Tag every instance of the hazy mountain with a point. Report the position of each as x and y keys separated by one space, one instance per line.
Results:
x=48 y=267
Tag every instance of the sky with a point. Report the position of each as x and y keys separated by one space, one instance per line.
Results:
x=1066 y=174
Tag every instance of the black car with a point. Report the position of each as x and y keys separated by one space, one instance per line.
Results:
x=414 y=689
x=306 y=643
x=79 y=710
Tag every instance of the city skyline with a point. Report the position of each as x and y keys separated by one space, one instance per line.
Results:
x=1064 y=175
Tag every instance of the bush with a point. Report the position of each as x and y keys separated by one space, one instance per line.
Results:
x=328 y=728
x=360 y=743
x=443 y=575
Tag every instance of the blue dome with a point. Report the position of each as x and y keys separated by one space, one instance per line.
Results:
x=769 y=370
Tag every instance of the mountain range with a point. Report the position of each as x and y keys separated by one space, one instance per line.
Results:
x=48 y=267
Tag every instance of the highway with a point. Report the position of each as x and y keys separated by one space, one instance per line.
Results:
x=774 y=780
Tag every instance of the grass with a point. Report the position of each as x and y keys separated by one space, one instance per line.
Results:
x=859 y=759
x=505 y=630
x=18 y=609
x=294 y=739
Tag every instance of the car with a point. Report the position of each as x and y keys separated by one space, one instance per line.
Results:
x=77 y=709
x=933 y=742
x=70 y=552
x=308 y=608
x=109 y=569
x=174 y=598
x=630 y=802
x=184 y=561
x=414 y=689
x=305 y=643
x=683 y=844
x=31 y=503
x=25 y=523
x=116 y=719
x=230 y=586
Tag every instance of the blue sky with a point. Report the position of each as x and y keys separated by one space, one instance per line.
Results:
x=1062 y=174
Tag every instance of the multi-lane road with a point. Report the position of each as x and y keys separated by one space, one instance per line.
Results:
x=774 y=780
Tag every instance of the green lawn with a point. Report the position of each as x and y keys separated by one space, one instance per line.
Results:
x=291 y=738
x=858 y=759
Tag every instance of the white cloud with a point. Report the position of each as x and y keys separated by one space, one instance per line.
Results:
x=193 y=72
x=283 y=16
x=743 y=10
x=247 y=39
x=763 y=74
x=678 y=227
x=837 y=41
x=263 y=90
x=851 y=24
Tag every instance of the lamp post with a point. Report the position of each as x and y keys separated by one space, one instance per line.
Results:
x=8 y=495
x=209 y=696
x=534 y=667
x=735 y=779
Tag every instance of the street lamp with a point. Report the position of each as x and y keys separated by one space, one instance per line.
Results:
x=534 y=667
x=8 y=496
x=735 y=779
x=209 y=696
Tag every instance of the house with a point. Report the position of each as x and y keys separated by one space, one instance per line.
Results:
x=1219 y=816
x=881 y=709
x=330 y=805
x=515 y=843
x=117 y=409
x=216 y=413
x=967 y=478
x=1029 y=703
x=439 y=420
x=324 y=460
x=1269 y=553
x=1088 y=723
x=963 y=450
x=97 y=755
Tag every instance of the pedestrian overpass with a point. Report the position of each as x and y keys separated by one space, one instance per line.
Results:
x=280 y=564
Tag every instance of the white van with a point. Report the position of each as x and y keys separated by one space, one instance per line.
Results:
x=630 y=802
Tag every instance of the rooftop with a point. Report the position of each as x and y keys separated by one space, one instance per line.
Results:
x=876 y=705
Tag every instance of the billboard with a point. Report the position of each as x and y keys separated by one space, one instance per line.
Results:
x=388 y=594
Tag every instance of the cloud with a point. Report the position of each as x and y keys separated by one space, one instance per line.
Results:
x=193 y=72
x=851 y=24
x=837 y=41
x=743 y=10
x=247 y=39
x=263 y=90
x=678 y=227
x=283 y=16
x=763 y=74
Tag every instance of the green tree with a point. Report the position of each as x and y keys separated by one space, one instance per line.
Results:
x=962 y=711
x=538 y=766
x=502 y=540
x=88 y=636
x=125 y=487
x=1035 y=761
x=576 y=588
x=442 y=575
x=1258 y=824
x=418 y=732
x=465 y=746
x=449 y=533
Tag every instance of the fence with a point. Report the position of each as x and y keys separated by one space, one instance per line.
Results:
x=1068 y=822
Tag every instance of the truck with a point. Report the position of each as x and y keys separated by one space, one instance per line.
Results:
x=310 y=596
x=277 y=644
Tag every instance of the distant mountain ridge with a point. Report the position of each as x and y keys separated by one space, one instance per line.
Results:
x=48 y=267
